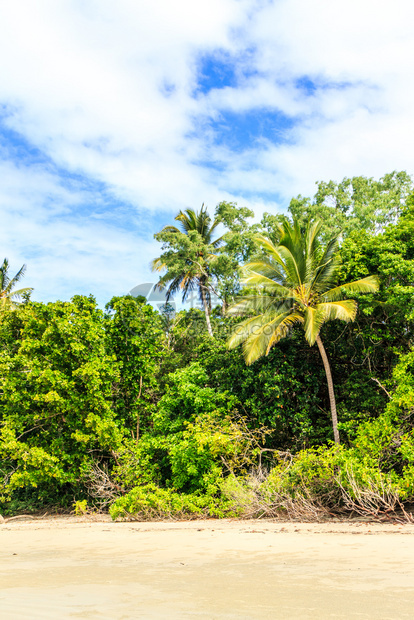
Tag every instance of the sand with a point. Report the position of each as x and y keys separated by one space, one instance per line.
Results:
x=78 y=568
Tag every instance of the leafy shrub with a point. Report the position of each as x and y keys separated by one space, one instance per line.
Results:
x=195 y=436
x=56 y=399
x=151 y=502
x=317 y=484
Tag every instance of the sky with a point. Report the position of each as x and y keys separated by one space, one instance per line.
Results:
x=116 y=115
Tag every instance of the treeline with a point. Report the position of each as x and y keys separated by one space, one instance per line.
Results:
x=149 y=413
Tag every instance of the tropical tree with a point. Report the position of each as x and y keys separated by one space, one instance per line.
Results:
x=292 y=282
x=9 y=297
x=188 y=257
x=357 y=203
x=57 y=385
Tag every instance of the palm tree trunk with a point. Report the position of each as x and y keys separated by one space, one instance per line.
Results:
x=206 y=310
x=330 y=388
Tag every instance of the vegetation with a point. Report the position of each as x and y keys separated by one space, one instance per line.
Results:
x=9 y=296
x=188 y=259
x=148 y=414
x=292 y=284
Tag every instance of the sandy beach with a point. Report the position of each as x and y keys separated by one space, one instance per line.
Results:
x=82 y=568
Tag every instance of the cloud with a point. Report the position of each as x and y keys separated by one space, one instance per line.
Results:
x=117 y=115
x=358 y=116
x=69 y=248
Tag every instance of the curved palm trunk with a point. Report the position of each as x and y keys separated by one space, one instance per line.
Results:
x=330 y=388
x=206 y=310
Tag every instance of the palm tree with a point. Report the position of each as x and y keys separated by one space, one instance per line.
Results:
x=187 y=262
x=10 y=298
x=292 y=284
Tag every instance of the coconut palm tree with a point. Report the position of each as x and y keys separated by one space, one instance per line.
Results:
x=293 y=283
x=9 y=297
x=187 y=261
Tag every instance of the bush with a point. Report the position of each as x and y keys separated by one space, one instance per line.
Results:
x=318 y=484
x=150 y=502
x=56 y=401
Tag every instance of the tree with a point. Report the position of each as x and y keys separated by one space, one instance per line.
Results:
x=292 y=284
x=136 y=339
x=188 y=256
x=9 y=298
x=56 y=399
x=357 y=203
x=238 y=246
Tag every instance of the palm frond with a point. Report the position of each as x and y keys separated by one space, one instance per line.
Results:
x=194 y=268
x=266 y=267
x=293 y=281
x=174 y=285
x=246 y=328
x=268 y=246
x=255 y=346
x=157 y=264
x=294 y=269
x=21 y=291
x=257 y=342
x=344 y=310
x=282 y=330
x=212 y=229
x=254 y=304
x=188 y=220
x=314 y=317
x=312 y=240
x=8 y=297
x=292 y=247
x=256 y=279
x=366 y=285
x=187 y=285
x=325 y=269
x=14 y=299
x=259 y=333
x=19 y=275
x=4 y=279
x=217 y=243
x=171 y=229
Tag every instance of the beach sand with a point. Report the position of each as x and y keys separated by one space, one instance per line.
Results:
x=68 y=567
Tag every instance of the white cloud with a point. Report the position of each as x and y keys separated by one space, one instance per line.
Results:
x=68 y=248
x=108 y=91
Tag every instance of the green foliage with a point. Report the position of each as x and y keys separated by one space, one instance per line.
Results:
x=374 y=476
x=284 y=391
x=56 y=410
x=136 y=340
x=146 y=412
x=318 y=484
x=151 y=502
x=383 y=327
x=193 y=432
x=238 y=246
x=188 y=257
x=294 y=284
x=194 y=261
x=356 y=203
x=80 y=507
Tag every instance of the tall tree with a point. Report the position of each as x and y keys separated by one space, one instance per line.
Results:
x=9 y=296
x=188 y=256
x=293 y=283
x=357 y=203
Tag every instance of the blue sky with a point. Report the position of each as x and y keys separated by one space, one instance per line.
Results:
x=113 y=116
